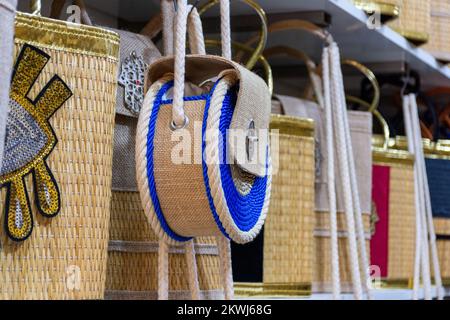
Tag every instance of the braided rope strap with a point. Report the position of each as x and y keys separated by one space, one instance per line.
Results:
x=335 y=273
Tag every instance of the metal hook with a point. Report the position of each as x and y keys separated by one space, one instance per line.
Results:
x=194 y=6
x=406 y=80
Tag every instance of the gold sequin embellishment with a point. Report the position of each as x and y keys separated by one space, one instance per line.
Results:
x=29 y=141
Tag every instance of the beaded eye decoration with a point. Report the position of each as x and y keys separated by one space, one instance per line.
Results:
x=132 y=77
x=29 y=141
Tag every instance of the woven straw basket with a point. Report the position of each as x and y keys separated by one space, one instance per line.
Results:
x=133 y=257
x=414 y=21
x=439 y=44
x=288 y=231
x=401 y=214
x=65 y=257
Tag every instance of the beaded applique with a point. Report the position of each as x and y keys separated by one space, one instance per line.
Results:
x=132 y=77
x=29 y=141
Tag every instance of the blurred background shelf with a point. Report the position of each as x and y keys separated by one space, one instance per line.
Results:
x=382 y=49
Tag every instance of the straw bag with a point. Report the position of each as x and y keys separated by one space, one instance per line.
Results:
x=227 y=192
x=133 y=245
x=279 y=263
x=7 y=13
x=360 y=123
x=70 y=159
x=414 y=22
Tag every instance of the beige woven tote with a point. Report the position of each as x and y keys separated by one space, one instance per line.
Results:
x=7 y=14
x=402 y=213
x=65 y=256
x=439 y=43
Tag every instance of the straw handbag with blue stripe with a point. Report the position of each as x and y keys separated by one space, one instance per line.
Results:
x=222 y=187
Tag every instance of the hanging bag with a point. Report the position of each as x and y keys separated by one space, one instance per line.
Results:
x=209 y=193
x=133 y=247
x=360 y=128
x=392 y=245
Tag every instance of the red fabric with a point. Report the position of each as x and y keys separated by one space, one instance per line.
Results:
x=380 y=198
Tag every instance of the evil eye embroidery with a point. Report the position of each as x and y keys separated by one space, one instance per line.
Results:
x=132 y=75
x=29 y=140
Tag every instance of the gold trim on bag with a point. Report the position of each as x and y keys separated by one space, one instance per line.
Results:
x=295 y=126
x=244 y=289
x=67 y=36
x=384 y=8
x=380 y=155
x=415 y=36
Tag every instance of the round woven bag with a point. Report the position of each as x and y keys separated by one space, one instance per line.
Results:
x=202 y=160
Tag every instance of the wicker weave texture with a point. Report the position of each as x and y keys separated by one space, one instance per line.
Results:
x=322 y=251
x=322 y=281
x=402 y=223
x=414 y=21
x=134 y=272
x=65 y=257
x=439 y=44
x=288 y=231
x=442 y=228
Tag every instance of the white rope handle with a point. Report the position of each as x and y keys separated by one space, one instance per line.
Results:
x=195 y=32
x=225 y=28
x=428 y=210
x=422 y=250
x=168 y=15
x=179 y=118
x=427 y=215
x=344 y=170
x=418 y=248
x=191 y=261
x=335 y=274
x=364 y=260
x=225 y=266
x=163 y=270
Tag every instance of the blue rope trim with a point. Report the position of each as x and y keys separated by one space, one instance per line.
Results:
x=190 y=98
x=150 y=169
x=244 y=210
x=205 y=166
